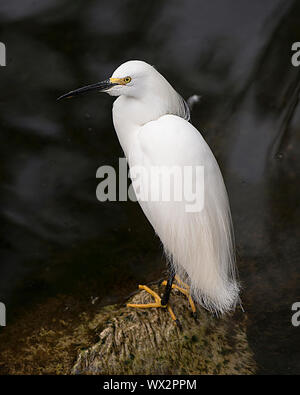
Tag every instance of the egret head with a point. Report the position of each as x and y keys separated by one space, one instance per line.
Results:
x=129 y=79
x=139 y=80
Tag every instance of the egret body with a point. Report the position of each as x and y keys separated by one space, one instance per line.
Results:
x=152 y=123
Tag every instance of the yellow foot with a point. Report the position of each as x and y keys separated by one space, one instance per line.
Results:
x=185 y=291
x=156 y=304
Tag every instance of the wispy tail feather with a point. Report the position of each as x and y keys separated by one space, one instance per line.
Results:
x=200 y=246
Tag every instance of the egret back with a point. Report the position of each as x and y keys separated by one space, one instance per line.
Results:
x=199 y=245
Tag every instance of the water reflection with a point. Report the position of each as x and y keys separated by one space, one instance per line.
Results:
x=57 y=238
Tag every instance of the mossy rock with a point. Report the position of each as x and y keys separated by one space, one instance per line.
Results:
x=147 y=341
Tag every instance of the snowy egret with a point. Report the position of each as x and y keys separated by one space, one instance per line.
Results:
x=152 y=123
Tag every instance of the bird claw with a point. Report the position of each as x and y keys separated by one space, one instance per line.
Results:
x=156 y=304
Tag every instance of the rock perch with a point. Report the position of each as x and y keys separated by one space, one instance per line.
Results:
x=136 y=341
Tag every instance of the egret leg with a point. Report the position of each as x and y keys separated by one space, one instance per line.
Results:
x=166 y=295
x=185 y=291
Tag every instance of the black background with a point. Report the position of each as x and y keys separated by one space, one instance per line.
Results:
x=57 y=238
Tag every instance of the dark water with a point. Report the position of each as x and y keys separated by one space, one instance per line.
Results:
x=57 y=238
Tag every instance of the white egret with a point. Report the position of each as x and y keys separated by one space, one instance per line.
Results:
x=152 y=123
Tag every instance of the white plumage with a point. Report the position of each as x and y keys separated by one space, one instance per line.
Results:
x=151 y=121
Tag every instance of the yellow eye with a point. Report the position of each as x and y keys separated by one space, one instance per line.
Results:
x=127 y=80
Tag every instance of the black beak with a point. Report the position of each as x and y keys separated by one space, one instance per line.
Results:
x=99 y=86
